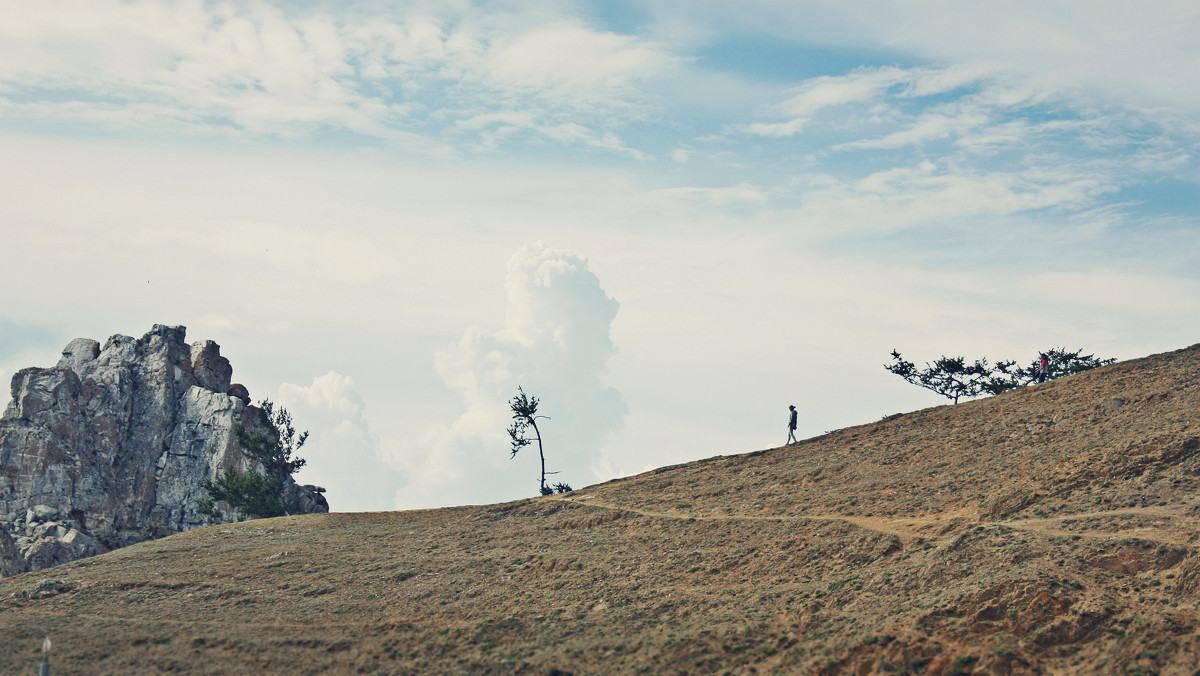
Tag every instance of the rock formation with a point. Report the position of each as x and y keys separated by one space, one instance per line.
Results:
x=110 y=447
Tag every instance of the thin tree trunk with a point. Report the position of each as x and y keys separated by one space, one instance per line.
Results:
x=538 y=432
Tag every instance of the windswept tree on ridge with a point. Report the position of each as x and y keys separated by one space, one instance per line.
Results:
x=953 y=377
x=524 y=413
x=1061 y=363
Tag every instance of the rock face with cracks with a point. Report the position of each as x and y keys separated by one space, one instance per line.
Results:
x=110 y=447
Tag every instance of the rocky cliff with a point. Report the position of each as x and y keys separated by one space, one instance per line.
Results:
x=110 y=447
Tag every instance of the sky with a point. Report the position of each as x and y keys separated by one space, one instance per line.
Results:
x=667 y=220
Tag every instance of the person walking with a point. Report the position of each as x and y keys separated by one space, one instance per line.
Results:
x=1043 y=367
x=792 y=425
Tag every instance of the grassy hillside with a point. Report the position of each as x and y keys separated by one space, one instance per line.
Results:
x=1048 y=530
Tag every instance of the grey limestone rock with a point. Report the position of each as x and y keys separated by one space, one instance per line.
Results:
x=11 y=561
x=111 y=446
x=40 y=513
x=56 y=546
x=78 y=353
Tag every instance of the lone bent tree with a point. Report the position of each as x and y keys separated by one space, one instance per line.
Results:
x=524 y=412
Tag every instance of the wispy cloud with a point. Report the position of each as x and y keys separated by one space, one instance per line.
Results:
x=494 y=129
x=931 y=126
x=724 y=196
x=566 y=59
x=1105 y=52
x=825 y=92
x=929 y=193
x=257 y=69
x=954 y=143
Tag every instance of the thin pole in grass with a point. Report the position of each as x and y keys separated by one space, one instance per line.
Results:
x=45 y=667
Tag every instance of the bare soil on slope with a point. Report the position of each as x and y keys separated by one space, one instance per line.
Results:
x=1051 y=530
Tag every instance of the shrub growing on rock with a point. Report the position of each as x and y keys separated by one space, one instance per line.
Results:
x=259 y=494
x=252 y=494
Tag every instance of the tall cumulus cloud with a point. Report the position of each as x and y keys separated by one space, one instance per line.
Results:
x=555 y=344
x=341 y=453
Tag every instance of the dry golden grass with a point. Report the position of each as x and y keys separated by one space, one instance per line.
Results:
x=1049 y=530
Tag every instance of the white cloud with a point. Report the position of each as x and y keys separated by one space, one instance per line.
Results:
x=1137 y=56
x=330 y=253
x=261 y=70
x=1104 y=293
x=929 y=126
x=556 y=344
x=934 y=81
x=933 y=193
x=1111 y=50
x=252 y=66
x=495 y=128
x=398 y=50
x=882 y=97
x=725 y=196
x=341 y=453
x=863 y=85
x=573 y=60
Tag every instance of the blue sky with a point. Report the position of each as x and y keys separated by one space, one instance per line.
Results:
x=669 y=220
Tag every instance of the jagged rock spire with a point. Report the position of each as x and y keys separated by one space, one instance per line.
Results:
x=110 y=446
